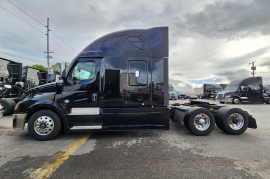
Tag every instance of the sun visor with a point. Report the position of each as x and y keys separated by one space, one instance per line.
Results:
x=159 y=41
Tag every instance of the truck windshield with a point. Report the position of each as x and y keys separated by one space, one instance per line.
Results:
x=267 y=90
x=171 y=89
x=232 y=88
x=218 y=90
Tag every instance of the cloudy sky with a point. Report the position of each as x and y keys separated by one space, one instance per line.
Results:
x=211 y=41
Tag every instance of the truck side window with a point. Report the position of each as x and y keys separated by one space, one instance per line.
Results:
x=137 y=73
x=243 y=88
x=84 y=71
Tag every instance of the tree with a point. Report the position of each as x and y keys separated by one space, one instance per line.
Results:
x=39 y=67
x=56 y=68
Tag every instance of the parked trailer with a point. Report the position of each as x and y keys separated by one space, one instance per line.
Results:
x=53 y=78
x=12 y=72
x=198 y=91
x=172 y=93
x=90 y=96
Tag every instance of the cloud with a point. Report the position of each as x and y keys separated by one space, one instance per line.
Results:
x=266 y=63
x=209 y=80
x=230 y=19
x=233 y=74
x=182 y=86
x=177 y=74
x=219 y=80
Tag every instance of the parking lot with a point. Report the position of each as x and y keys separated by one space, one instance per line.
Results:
x=141 y=154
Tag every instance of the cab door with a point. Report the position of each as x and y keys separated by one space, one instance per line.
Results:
x=254 y=93
x=243 y=93
x=82 y=96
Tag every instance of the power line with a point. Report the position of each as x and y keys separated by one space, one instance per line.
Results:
x=62 y=30
x=61 y=46
x=21 y=42
x=21 y=19
x=55 y=25
x=34 y=28
x=17 y=56
x=29 y=45
x=64 y=42
x=38 y=9
x=25 y=12
x=18 y=37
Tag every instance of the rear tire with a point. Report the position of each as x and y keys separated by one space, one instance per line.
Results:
x=186 y=123
x=232 y=120
x=8 y=106
x=44 y=125
x=200 y=121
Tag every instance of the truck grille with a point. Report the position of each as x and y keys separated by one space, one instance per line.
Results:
x=219 y=96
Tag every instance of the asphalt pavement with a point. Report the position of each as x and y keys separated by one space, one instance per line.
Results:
x=140 y=154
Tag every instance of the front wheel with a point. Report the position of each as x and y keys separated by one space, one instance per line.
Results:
x=44 y=125
x=236 y=100
x=200 y=121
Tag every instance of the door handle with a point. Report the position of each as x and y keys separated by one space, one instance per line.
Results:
x=94 y=96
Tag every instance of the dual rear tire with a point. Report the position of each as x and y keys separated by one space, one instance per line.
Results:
x=201 y=122
x=233 y=121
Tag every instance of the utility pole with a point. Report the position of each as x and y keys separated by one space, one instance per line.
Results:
x=253 y=68
x=48 y=51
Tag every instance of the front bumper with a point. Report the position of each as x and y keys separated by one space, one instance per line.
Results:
x=225 y=100
x=19 y=121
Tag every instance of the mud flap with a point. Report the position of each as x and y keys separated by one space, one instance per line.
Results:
x=180 y=113
x=251 y=122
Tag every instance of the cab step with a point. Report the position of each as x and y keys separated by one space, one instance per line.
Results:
x=85 y=127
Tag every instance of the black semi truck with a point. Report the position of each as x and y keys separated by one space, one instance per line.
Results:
x=244 y=90
x=119 y=82
x=12 y=72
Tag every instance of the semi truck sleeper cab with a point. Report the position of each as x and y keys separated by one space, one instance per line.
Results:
x=119 y=82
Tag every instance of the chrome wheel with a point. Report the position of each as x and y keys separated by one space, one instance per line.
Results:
x=3 y=106
x=236 y=121
x=44 y=125
x=236 y=100
x=202 y=122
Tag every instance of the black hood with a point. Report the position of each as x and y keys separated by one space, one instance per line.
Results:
x=49 y=87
